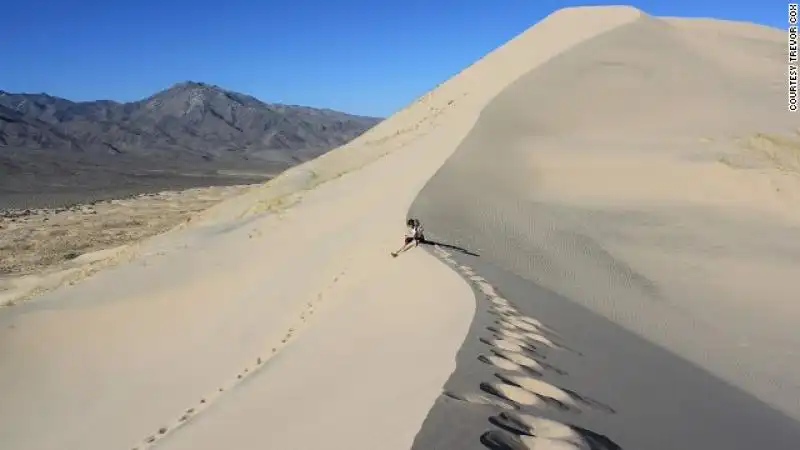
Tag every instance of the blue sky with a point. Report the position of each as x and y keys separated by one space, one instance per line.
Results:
x=364 y=57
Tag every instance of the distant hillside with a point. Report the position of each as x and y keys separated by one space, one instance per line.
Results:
x=49 y=144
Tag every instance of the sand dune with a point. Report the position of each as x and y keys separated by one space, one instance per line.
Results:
x=276 y=319
x=650 y=175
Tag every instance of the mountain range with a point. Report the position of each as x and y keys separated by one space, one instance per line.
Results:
x=190 y=134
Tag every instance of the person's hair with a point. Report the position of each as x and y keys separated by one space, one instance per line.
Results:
x=410 y=222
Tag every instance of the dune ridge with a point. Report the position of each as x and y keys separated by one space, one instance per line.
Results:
x=466 y=92
x=433 y=110
x=650 y=175
x=235 y=288
x=279 y=311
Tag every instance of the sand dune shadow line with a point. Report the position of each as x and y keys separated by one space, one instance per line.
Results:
x=450 y=246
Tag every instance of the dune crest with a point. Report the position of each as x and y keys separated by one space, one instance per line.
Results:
x=233 y=312
x=248 y=326
x=650 y=174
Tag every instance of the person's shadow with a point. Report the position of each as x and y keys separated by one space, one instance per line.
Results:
x=452 y=247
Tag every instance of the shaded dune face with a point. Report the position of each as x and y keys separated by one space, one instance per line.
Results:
x=643 y=78
x=517 y=385
x=531 y=432
x=647 y=89
x=639 y=95
x=641 y=82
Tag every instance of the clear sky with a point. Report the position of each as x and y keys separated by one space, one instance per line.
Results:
x=359 y=56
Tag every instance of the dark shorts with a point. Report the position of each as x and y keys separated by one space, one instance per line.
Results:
x=419 y=239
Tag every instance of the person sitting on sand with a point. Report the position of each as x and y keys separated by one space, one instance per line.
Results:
x=414 y=236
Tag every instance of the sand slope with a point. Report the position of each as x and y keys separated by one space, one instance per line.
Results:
x=644 y=169
x=650 y=174
x=294 y=278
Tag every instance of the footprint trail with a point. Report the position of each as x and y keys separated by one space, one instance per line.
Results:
x=516 y=347
x=246 y=370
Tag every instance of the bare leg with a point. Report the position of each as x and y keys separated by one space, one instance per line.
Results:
x=404 y=248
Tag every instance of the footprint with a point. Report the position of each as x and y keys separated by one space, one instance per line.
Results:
x=506 y=364
x=513 y=394
x=564 y=396
x=500 y=313
x=588 y=401
x=531 y=321
x=520 y=323
x=508 y=345
x=527 y=323
x=499 y=301
x=541 y=335
x=535 y=426
x=527 y=345
x=525 y=336
x=502 y=440
x=546 y=391
x=479 y=399
x=550 y=430
x=506 y=310
x=535 y=338
x=534 y=364
x=487 y=289
x=538 y=324
x=504 y=324
x=517 y=322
